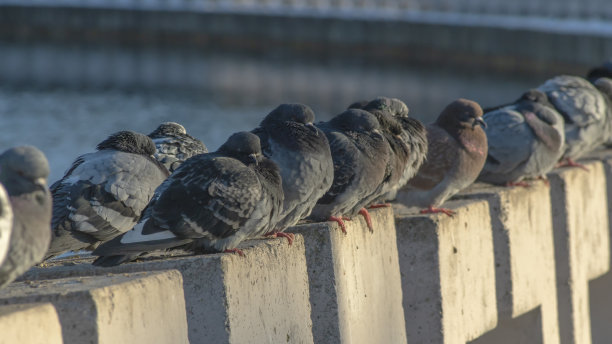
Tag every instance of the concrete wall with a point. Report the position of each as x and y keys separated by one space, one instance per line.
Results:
x=514 y=265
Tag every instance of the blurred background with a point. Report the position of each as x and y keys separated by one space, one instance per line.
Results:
x=74 y=71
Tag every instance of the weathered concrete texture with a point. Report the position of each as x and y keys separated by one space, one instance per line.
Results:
x=355 y=286
x=524 y=256
x=448 y=273
x=137 y=308
x=260 y=298
x=30 y=324
x=582 y=244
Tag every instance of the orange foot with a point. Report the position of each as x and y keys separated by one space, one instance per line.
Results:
x=235 y=250
x=368 y=219
x=382 y=205
x=433 y=210
x=289 y=236
x=523 y=184
x=340 y=222
x=571 y=163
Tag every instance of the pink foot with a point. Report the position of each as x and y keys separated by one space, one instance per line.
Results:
x=433 y=210
x=572 y=163
x=523 y=184
x=289 y=236
x=235 y=250
x=367 y=218
x=340 y=222
x=382 y=205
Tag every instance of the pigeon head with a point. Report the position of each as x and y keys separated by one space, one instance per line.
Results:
x=299 y=113
x=244 y=146
x=23 y=169
x=394 y=106
x=355 y=120
x=168 y=129
x=461 y=114
x=535 y=96
x=603 y=71
x=129 y=142
x=604 y=85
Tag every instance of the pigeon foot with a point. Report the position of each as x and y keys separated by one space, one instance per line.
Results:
x=368 y=219
x=571 y=163
x=340 y=222
x=382 y=205
x=434 y=210
x=235 y=250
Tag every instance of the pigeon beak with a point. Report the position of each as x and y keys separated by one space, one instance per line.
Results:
x=254 y=158
x=311 y=126
x=40 y=183
x=479 y=121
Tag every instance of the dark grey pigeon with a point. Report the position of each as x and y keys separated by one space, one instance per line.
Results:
x=360 y=154
x=303 y=156
x=103 y=193
x=212 y=202
x=6 y=223
x=413 y=135
x=583 y=109
x=23 y=172
x=525 y=140
x=174 y=146
x=456 y=154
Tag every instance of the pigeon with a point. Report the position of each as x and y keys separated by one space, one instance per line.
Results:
x=174 y=146
x=360 y=154
x=212 y=201
x=525 y=140
x=103 y=194
x=603 y=71
x=385 y=111
x=6 y=223
x=604 y=85
x=457 y=150
x=23 y=172
x=413 y=135
x=583 y=108
x=303 y=156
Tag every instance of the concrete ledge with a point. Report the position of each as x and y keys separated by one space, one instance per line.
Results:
x=355 y=286
x=139 y=308
x=448 y=273
x=582 y=244
x=262 y=297
x=30 y=323
x=524 y=259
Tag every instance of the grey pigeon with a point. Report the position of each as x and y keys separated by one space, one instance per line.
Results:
x=457 y=152
x=604 y=85
x=211 y=202
x=525 y=140
x=583 y=108
x=23 y=172
x=103 y=193
x=413 y=135
x=6 y=223
x=360 y=154
x=174 y=146
x=303 y=156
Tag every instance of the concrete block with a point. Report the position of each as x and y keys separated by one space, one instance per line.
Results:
x=130 y=308
x=355 y=287
x=260 y=298
x=524 y=260
x=582 y=243
x=30 y=324
x=448 y=273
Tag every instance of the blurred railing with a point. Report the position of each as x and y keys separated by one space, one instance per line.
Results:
x=568 y=9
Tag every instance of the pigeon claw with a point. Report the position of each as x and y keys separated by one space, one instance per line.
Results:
x=340 y=222
x=571 y=163
x=382 y=205
x=289 y=236
x=434 y=210
x=523 y=184
x=235 y=250
x=368 y=219
x=544 y=180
